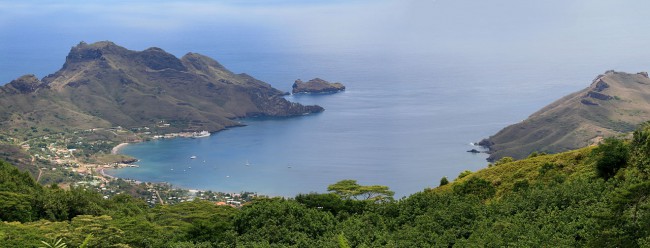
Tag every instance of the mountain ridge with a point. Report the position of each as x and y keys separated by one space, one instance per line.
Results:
x=103 y=84
x=613 y=104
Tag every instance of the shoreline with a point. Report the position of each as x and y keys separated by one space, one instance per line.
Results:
x=103 y=173
x=117 y=148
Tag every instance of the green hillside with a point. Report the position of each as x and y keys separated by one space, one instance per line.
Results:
x=614 y=104
x=592 y=197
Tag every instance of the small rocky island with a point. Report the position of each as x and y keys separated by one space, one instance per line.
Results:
x=316 y=86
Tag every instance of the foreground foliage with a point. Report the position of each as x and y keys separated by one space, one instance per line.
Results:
x=593 y=197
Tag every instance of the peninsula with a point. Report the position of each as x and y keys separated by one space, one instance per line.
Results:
x=614 y=104
x=106 y=85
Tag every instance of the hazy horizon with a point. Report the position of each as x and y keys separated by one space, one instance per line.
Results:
x=610 y=32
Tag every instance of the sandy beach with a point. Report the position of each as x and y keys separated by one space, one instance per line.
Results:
x=118 y=147
x=103 y=173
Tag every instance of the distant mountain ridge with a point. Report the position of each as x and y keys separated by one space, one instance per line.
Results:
x=104 y=85
x=614 y=104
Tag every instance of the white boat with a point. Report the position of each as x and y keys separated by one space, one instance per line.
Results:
x=193 y=157
x=247 y=163
x=201 y=134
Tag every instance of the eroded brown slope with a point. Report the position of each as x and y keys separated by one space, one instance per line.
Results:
x=103 y=85
x=615 y=103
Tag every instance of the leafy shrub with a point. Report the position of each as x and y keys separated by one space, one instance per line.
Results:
x=444 y=181
x=476 y=186
x=521 y=184
x=640 y=152
x=504 y=160
x=545 y=168
x=610 y=156
x=464 y=174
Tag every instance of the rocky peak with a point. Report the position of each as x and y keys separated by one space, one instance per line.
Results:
x=598 y=95
x=104 y=51
x=157 y=59
x=201 y=62
x=24 y=84
x=596 y=91
x=154 y=49
x=600 y=85
x=84 y=52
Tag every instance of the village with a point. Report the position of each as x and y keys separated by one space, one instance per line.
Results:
x=82 y=159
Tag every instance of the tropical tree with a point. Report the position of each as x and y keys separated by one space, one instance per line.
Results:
x=610 y=156
x=350 y=189
x=444 y=181
x=640 y=153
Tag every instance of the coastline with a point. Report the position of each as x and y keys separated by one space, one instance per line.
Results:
x=102 y=171
x=117 y=148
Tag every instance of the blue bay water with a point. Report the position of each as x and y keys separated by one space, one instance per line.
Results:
x=404 y=122
x=382 y=130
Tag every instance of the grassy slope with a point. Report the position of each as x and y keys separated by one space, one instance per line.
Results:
x=571 y=164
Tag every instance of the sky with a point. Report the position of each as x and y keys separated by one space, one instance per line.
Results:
x=521 y=31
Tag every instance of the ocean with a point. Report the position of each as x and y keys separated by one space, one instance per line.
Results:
x=424 y=80
x=404 y=122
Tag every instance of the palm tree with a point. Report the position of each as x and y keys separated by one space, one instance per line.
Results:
x=56 y=243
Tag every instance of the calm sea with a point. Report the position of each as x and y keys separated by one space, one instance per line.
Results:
x=424 y=79
x=405 y=121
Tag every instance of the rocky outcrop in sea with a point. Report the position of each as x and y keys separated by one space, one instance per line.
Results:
x=316 y=86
